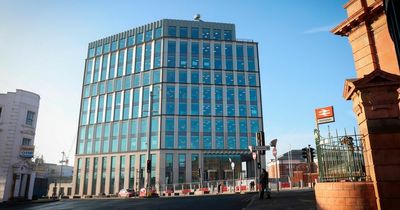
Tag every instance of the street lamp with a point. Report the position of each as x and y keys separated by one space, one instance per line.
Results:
x=63 y=160
x=233 y=173
x=273 y=144
x=148 y=170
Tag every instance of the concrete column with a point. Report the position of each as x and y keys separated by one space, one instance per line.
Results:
x=90 y=178
x=31 y=185
x=17 y=185
x=376 y=105
x=117 y=173
x=108 y=170
x=175 y=171
x=98 y=183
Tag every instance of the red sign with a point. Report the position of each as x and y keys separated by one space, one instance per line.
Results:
x=274 y=152
x=254 y=156
x=325 y=115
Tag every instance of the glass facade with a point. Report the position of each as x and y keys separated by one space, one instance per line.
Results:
x=206 y=97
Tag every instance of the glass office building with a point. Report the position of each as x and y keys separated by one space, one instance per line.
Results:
x=206 y=106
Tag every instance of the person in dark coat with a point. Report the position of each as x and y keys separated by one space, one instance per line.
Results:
x=263 y=183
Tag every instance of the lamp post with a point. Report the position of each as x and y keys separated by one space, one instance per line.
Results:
x=233 y=173
x=62 y=161
x=274 y=152
x=148 y=170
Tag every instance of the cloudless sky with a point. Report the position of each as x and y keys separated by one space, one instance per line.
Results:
x=43 y=45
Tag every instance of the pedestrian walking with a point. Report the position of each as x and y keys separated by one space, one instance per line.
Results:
x=252 y=185
x=263 y=183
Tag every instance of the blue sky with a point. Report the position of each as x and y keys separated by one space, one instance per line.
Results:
x=303 y=65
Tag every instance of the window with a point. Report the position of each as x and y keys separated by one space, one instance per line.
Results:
x=91 y=52
x=217 y=34
x=106 y=48
x=182 y=100
x=206 y=77
x=205 y=33
x=218 y=78
x=228 y=55
x=148 y=35
x=169 y=166
x=156 y=76
x=227 y=35
x=195 y=77
x=171 y=53
x=139 y=38
x=170 y=100
x=29 y=118
x=250 y=58
x=170 y=76
x=172 y=31
x=26 y=141
x=122 y=43
x=229 y=79
x=206 y=55
x=182 y=76
x=252 y=79
x=138 y=60
x=195 y=33
x=183 y=32
x=131 y=40
x=182 y=168
x=219 y=108
x=147 y=56
x=239 y=57
x=217 y=56
x=195 y=55
x=113 y=45
x=241 y=79
x=157 y=54
x=183 y=54
x=157 y=33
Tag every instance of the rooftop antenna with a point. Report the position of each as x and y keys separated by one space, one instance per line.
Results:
x=197 y=17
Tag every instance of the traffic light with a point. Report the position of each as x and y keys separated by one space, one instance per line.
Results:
x=261 y=141
x=148 y=166
x=259 y=165
x=304 y=153
x=312 y=154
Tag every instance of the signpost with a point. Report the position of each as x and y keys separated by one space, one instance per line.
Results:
x=274 y=152
x=324 y=115
x=261 y=148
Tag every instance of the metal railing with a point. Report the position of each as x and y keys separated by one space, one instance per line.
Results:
x=211 y=186
x=340 y=158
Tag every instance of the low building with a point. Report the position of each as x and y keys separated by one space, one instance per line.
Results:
x=291 y=167
x=18 y=117
x=48 y=176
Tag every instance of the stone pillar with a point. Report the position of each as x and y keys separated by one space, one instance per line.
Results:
x=375 y=96
x=17 y=185
x=31 y=185
x=376 y=105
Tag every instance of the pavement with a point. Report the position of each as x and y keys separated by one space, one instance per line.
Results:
x=9 y=204
x=302 y=199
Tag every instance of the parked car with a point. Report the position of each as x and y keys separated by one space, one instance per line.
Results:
x=126 y=193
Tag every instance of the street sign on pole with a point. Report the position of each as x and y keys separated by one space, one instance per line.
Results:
x=251 y=148
x=274 y=152
x=324 y=115
x=259 y=148
x=254 y=155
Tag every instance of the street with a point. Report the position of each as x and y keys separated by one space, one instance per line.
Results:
x=218 y=202
x=296 y=199
x=289 y=199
